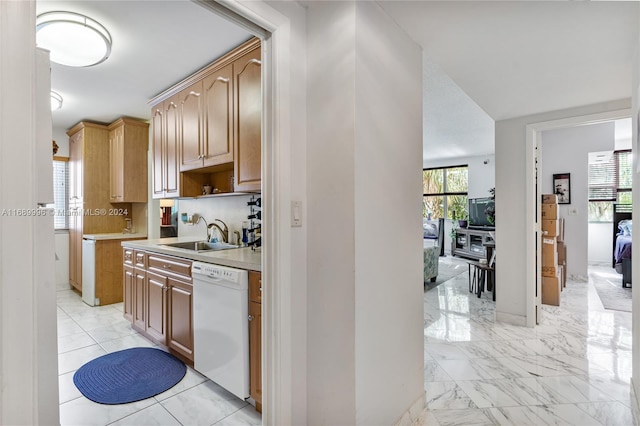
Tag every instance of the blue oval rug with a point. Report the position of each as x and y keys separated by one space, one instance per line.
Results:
x=129 y=375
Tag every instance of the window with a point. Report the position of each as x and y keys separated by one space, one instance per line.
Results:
x=610 y=176
x=445 y=192
x=60 y=192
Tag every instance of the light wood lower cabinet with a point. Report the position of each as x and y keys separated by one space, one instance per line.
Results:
x=158 y=300
x=255 y=338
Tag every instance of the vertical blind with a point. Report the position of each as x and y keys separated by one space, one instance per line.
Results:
x=609 y=173
x=60 y=194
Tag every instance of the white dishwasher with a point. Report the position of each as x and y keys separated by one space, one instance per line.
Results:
x=221 y=326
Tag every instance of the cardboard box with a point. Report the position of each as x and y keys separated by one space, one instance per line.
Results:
x=549 y=211
x=551 y=290
x=550 y=270
x=562 y=252
x=549 y=199
x=549 y=251
x=550 y=228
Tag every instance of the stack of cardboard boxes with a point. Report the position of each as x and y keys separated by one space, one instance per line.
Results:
x=554 y=251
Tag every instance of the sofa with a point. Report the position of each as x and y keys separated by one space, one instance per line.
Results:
x=431 y=257
x=433 y=234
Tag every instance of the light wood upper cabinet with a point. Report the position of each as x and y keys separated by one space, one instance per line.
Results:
x=218 y=117
x=247 y=120
x=165 y=145
x=207 y=129
x=128 y=142
x=190 y=107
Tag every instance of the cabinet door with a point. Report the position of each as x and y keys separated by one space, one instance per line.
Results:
x=180 y=322
x=157 y=144
x=190 y=104
x=156 y=294
x=139 y=299
x=75 y=246
x=255 y=353
x=172 y=132
x=218 y=117
x=247 y=119
x=128 y=278
x=116 y=154
x=75 y=167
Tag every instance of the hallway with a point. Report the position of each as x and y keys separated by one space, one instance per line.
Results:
x=573 y=369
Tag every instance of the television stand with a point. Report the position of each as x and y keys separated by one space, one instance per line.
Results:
x=469 y=243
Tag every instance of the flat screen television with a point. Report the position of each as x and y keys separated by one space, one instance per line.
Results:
x=477 y=216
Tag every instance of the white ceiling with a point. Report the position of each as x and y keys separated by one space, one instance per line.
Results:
x=155 y=45
x=484 y=61
x=514 y=58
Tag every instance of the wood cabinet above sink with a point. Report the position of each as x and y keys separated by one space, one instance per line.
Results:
x=207 y=129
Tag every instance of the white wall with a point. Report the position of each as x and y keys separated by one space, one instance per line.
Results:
x=359 y=183
x=389 y=296
x=600 y=242
x=231 y=210
x=567 y=150
x=28 y=392
x=513 y=201
x=61 y=138
x=482 y=177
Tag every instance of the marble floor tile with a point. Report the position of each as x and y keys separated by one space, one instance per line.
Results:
x=565 y=414
x=609 y=413
x=482 y=368
x=616 y=388
x=500 y=392
x=434 y=373
x=67 y=327
x=112 y=331
x=569 y=389
x=470 y=417
x=514 y=416
x=446 y=395
x=204 y=404
x=153 y=415
x=444 y=351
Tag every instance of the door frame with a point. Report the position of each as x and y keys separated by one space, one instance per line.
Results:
x=278 y=364
x=533 y=148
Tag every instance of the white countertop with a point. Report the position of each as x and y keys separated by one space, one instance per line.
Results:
x=241 y=258
x=114 y=236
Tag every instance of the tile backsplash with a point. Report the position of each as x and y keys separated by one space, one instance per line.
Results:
x=232 y=210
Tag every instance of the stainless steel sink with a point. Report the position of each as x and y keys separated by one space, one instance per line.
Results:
x=201 y=246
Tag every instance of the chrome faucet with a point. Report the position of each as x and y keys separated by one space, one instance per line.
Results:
x=224 y=230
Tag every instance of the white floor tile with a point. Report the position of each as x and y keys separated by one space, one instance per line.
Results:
x=74 y=341
x=67 y=389
x=84 y=412
x=70 y=361
x=153 y=415
x=204 y=404
x=245 y=416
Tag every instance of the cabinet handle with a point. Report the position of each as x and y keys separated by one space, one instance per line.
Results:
x=251 y=317
x=166 y=266
x=165 y=288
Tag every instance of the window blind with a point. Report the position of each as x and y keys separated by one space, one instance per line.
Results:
x=602 y=176
x=60 y=194
x=609 y=174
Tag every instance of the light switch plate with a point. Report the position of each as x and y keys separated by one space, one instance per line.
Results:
x=296 y=214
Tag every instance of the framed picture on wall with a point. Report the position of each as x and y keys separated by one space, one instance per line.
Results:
x=562 y=187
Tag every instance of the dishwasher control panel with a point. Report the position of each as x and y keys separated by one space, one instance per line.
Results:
x=216 y=271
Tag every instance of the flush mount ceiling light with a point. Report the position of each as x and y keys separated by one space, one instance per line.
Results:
x=56 y=101
x=73 y=39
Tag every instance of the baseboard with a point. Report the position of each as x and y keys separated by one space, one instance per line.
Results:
x=635 y=404
x=416 y=413
x=511 y=319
